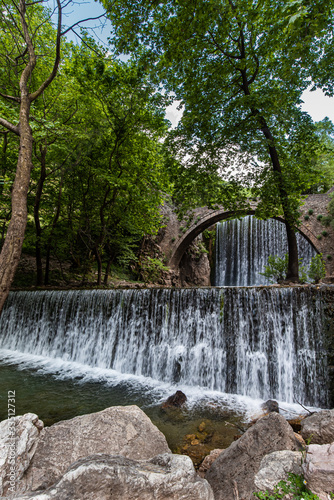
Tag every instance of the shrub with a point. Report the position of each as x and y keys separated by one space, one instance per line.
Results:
x=324 y=233
x=329 y=257
x=151 y=270
x=319 y=217
x=317 y=269
x=306 y=217
x=276 y=269
x=326 y=220
x=310 y=212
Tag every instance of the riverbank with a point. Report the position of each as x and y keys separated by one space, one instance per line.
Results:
x=119 y=454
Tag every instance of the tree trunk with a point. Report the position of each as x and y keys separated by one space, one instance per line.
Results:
x=12 y=247
x=99 y=266
x=38 y=250
x=106 y=275
x=54 y=223
x=293 y=263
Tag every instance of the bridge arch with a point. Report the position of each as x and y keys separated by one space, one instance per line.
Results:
x=211 y=217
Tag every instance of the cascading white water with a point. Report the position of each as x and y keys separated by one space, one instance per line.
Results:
x=244 y=245
x=260 y=342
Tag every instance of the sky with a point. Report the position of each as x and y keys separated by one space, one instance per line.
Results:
x=315 y=103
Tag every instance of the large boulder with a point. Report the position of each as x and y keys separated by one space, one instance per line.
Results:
x=18 y=442
x=104 y=477
x=319 y=427
x=275 y=467
x=119 y=430
x=318 y=469
x=234 y=470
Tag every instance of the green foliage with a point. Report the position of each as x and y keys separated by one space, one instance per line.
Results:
x=302 y=272
x=306 y=217
x=296 y=485
x=232 y=65
x=319 y=217
x=199 y=249
x=276 y=269
x=99 y=176
x=328 y=220
x=324 y=233
x=310 y=212
x=151 y=269
x=317 y=269
x=196 y=53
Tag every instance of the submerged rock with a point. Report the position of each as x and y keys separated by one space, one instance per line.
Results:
x=119 y=430
x=270 y=406
x=176 y=400
x=234 y=470
x=104 y=477
x=208 y=461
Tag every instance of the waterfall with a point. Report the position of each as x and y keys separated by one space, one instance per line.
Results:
x=244 y=245
x=260 y=342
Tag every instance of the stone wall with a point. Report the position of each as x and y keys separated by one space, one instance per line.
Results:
x=178 y=235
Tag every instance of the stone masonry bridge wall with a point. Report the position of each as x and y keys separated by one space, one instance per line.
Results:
x=177 y=236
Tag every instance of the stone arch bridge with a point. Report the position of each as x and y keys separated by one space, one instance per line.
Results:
x=203 y=218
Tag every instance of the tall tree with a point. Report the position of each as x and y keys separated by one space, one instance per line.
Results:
x=228 y=62
x=29 y=57
x=120 y=182
x=19 y=56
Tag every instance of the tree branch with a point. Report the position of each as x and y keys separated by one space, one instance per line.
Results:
x=53 y=73
x=220 y=48
x=10 y=126
x=85 y=43
x=10 y=97
x=82 y=21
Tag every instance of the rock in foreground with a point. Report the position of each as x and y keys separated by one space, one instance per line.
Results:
x=24 y=432
x=319 y=469
x=119 y=430
x=275 y=467
x=234 y=470
x=104 y=477
x=319 y=427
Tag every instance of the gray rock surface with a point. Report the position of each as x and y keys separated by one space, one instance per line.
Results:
x=318 y=469
x=234 y=470
x=18 y=441
x=275 y=467
x=319 y=427
x=119 y=430
x=103 y=477
x=208 y=461
x=195 y=266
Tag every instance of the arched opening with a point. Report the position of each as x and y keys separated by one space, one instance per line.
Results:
x=243 y=247
x=208 y=220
